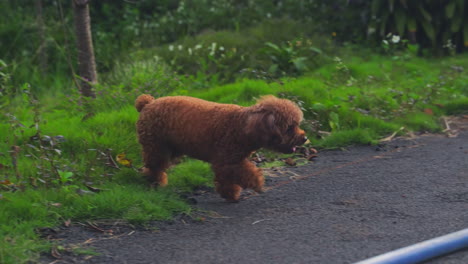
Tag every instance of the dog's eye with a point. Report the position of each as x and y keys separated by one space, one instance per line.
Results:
x=290 y=128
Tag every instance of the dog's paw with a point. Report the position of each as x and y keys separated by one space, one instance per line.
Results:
x=259 y=190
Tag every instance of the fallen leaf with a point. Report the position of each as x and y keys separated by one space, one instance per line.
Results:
x=312 y=156
x=89 y=241
x=83 y=192
x=261 y=220
x=257 y=158
x=15 y=150
x=93 y=189
x=123 y=160
x=389 y=138
x=55 y=252
x=67 y=223
x=290 y=162
x=312 y=150
x=6 y=182
x=95 y=227
x=428 y=111
x=302 y=150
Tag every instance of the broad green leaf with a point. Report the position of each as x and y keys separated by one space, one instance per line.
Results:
x=383 y=24
x=400 y=21
x=429 y=29
x=300 y=63
x=450 y=9
x=446 y=36
x=465 y=36
x=316 y=50
x=273 y=68
x=456 y=24
x=425 y=14
x=375 y=6
x=273 y=46
x=371 y=28
x=412 y=26
x=461 y=5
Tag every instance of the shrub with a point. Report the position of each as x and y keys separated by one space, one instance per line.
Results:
x=431 y=24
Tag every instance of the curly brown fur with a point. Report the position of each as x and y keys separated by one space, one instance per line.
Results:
x=222 y=134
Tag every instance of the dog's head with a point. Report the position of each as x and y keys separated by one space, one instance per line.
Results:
x=275 y=123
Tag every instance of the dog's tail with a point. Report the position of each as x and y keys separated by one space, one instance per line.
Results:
x=143 y=100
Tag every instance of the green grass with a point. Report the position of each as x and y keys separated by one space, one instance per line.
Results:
x=191 y=174
x=348 y=138
x=459 y=106
x=23 y=212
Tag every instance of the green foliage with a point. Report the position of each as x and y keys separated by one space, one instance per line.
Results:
x=223 y=56
x=287 y=59
x=433 y=24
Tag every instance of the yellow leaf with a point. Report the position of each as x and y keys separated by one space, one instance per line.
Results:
x=123 y=160
x=6 y=182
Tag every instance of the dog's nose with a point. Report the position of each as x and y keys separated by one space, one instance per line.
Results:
x=304 y=139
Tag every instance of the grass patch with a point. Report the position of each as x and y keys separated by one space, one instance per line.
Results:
x=455 y=107
x=23 y=212
x=348 y=138
x=190 y=174
x=420 y=122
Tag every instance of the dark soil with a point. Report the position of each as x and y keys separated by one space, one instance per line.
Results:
x=345 y=206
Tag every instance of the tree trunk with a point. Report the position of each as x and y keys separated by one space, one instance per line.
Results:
x=86 y=61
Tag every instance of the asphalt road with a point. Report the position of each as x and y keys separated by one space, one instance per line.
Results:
x=344 y=207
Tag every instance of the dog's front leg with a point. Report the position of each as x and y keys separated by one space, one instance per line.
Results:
x=225 y=182
x=231 y=178
x=249 y=176
x=155 y=167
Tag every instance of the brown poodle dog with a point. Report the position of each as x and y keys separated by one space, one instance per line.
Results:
x=224 y=135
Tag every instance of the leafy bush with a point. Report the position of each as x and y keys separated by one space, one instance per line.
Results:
x=431 y=24
x=271 y=49
x=290 y=59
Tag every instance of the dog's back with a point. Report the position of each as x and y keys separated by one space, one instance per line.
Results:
x=188 y=125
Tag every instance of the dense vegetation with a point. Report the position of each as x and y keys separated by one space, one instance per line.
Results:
x=64 y=157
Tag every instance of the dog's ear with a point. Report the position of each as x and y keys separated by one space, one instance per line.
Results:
x=270 y=121
x=262 y=124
